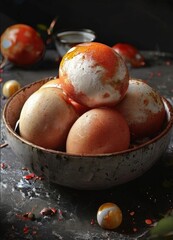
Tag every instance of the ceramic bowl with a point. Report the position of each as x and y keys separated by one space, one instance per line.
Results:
x=67 y=39
x=82 y=172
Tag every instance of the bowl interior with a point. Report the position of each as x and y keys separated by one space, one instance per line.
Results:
x=14 y=105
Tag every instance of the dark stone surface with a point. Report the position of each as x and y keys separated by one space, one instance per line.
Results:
x=148 y=197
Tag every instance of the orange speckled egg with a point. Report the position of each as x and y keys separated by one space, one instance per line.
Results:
x=109 y=216
x=46 y=118
x=130 y=54
x=143 y=109
x=94 y=75
x=22 y=45
x=97 y=131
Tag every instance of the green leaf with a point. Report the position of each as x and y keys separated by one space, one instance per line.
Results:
x=163 y=228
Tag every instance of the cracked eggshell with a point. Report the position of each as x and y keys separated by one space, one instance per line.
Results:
x=143 y=109
x=94 y=75
x=46 y=118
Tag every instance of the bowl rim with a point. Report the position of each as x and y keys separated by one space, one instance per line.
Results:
x=80 y=31
x=164 y=131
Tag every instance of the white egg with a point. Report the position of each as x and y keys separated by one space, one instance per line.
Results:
x=143 y=109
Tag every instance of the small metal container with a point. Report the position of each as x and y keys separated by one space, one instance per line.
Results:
x=67 y=39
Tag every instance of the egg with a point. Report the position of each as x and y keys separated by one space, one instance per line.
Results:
x=22 y=45
x=109 y=216
x=94 y=75
x=79 y=108
x=51 y=83
x=143 y=109
x=46 y=118
x=97 y=131
x=130 y=54
x=10 y=87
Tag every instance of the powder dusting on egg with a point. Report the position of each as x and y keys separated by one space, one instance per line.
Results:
x=149 y=100
x=94 y=75
x=143 y=109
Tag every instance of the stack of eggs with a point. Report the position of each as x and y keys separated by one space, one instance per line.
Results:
x=92 y=107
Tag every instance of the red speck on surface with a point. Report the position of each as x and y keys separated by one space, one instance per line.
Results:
x=29 y=176
x=132 y=213
x=48 y=211
x=92 y=222
x=3 y=166
x=1 y=70
x=135 y=229
x=148 y=221
x=25 y=229
x=54 y=210
x=159 y=74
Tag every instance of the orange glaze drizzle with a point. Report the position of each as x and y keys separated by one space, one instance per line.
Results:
x=102 y=54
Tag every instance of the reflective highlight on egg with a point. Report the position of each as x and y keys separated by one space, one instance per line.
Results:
x=51 y=83
x=10 y=87
x=109 y=216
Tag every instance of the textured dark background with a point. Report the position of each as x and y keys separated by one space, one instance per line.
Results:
x=148 y=24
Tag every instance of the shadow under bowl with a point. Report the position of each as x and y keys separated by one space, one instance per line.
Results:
x=89 y=172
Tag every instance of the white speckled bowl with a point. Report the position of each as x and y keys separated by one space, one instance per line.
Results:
x=82 y=172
